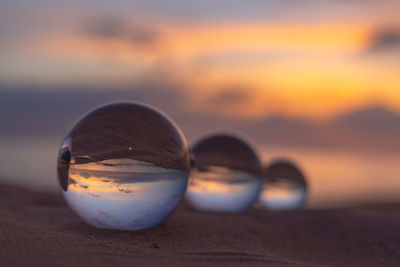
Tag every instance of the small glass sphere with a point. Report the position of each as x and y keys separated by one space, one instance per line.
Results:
x=225 y=176
x=284 y=187
x=124 y=166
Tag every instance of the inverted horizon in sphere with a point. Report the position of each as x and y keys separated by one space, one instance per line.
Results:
x=225 y=175
x=124 y=166
x=284 y=187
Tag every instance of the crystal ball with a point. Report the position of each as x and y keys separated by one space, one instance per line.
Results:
x=225 y=175
x=124 y=166
x=284 y=186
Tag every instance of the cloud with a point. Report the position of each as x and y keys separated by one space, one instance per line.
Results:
x=384 y=40
x=118 y=28
x=233 y=101
x=106 y=27
x=41 y=109
x=47 y=112
x=370 y=119
x=231 y=96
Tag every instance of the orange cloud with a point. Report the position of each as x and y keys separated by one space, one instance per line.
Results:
x=311 y=71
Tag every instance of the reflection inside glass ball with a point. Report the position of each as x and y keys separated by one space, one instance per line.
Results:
x=284 y=187
x=225 y=176
x=124 y=166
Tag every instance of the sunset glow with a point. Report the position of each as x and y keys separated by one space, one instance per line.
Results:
x=290 y=68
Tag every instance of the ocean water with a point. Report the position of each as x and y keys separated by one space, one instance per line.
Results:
x=30 y=162
x=338 y=178
x=335 y=178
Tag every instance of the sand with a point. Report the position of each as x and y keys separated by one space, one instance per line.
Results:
x=38 y=229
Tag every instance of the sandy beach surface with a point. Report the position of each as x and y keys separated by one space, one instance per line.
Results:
x=38 y=229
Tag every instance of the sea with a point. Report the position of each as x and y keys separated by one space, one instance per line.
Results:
x=335 y=178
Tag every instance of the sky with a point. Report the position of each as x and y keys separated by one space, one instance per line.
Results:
x=285 y=74
x=237 y=59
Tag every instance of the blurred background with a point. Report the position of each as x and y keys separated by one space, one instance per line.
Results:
x=314 y=81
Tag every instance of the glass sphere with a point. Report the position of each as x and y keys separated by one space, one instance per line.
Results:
x=124 y=166
x=225 y=176
x=284 y=187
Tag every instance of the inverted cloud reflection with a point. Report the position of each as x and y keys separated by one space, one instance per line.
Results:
x=122 y=199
